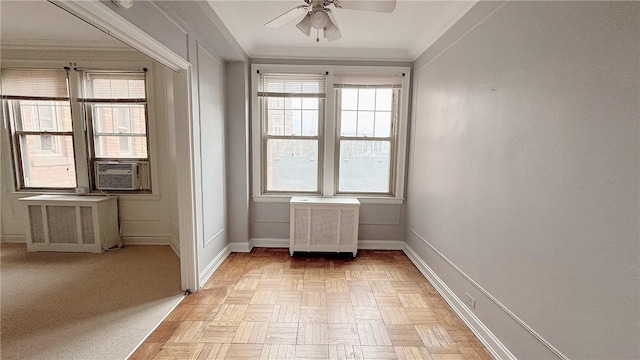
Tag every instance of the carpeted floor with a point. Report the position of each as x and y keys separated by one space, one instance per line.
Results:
x=83 y=306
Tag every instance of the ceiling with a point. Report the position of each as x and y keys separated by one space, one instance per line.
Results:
x=401 y=35
x=398 y=36
x=40 y=23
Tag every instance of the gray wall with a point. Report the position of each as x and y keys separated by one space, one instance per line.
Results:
x=524 y=173
x=237 y=90
x=378 y=222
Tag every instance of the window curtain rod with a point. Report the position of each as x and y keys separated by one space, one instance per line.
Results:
x=122 y=71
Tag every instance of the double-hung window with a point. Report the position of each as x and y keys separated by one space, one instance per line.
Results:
x=329 y=131
x=116 y=106
x=291 y=108
x=367 y=114
x=38 y=105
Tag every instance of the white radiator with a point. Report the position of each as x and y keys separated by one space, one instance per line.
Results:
x=71 y=223
x=324 y=225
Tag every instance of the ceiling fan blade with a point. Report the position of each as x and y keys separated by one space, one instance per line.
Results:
x=334 y=35
x=288 y=16
x=331 y=31
x=385 y=6
x=305 y=25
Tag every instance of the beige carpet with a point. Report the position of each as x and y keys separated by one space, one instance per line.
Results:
x=83 y=306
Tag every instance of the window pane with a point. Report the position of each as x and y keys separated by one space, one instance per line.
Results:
x=364 y=166
x=294 y=103
x=383 y=124
x=384 y=99
x=47 y=161
x=348 y=123
x=309 y=123
x=285 y=116
x=365 y=123
x=292 y=165
x=366 y=99
x=114 y=146
x=310 y=103
x=119 y=119
x=45 y=116
x=275 y=122
x=275 y=103
x=293 y=120
x=349 y=99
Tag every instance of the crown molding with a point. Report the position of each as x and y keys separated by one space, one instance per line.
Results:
x=84 y=45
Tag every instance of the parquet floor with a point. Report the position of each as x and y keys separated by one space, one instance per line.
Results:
x=269 y=305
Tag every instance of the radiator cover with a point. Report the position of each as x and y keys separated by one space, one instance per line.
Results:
x=71 y=223
x=324 y=224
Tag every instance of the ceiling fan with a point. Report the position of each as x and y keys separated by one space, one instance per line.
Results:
x=319 y=16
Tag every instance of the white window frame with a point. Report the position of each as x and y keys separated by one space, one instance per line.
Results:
x=328 y=181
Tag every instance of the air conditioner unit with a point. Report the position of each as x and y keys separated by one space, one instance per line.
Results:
x=118 y=175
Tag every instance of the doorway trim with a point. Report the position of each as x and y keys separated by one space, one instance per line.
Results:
x=103 y=18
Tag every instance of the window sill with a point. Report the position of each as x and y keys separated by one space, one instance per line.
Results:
x=363 y=199
x=140 y=197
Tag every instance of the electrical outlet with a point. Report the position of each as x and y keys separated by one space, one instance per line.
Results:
x=471 y=302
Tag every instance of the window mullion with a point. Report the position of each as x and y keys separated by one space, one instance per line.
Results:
x=329 y=140
x=79 y=135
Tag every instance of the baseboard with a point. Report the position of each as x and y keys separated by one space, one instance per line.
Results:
x=242 y=247
x=14 y=239
x=213 y=265
x=270 y=243
x=486 y=337
x=362 y=244
x=146 y=240
x=380 y=245
x=175 y=246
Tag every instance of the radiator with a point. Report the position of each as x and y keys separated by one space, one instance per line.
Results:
x=324 y=224
x=71 y=223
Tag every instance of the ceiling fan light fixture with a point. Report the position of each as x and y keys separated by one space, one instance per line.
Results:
x=329 y=29
x=319 y=19
x=305 y=25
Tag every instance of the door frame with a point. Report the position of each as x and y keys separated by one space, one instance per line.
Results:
x=103 y=18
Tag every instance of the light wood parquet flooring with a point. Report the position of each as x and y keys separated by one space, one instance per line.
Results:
x=269 y=305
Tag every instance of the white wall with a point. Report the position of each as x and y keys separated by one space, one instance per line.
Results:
x=523 y=186
x=145 y=219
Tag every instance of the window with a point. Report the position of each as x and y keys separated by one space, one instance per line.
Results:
x=61 y=120
x=291 y=108
x=38 y=105
x=367 y=115
x=330 y=131
x=116 y=105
